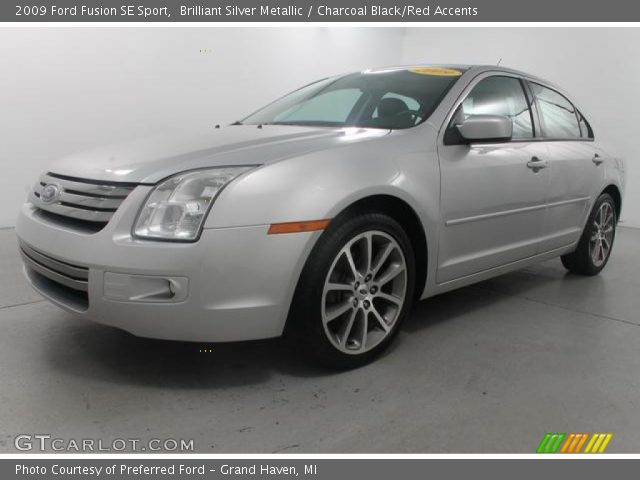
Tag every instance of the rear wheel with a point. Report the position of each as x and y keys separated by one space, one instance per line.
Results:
x=356 y=289
x=594 y=247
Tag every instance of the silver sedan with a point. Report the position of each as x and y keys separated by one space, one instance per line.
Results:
x=325 y=215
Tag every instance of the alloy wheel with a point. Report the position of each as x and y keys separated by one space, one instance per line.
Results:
x=364 y=292
x=602 y=234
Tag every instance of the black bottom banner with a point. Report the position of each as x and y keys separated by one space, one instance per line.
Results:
x=317 y=469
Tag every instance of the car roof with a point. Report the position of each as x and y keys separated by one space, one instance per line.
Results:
x=471 y=71
x=464 y=68
x=474 y=70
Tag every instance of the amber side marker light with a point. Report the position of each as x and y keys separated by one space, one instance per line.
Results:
x=298 y=227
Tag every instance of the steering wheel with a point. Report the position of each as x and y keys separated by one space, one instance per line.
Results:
x=415 y=114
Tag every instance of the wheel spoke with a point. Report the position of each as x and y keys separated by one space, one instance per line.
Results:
x=365 y=327
x=601 y=216
x=599 y=250
x=337 y=310
x=383 y=258
x=369 y=251
x=345 y=330
x=352 y=264
x=390 y=274
x=389 y=298
x=608 y=222
x=385 y=326
x=338 y=287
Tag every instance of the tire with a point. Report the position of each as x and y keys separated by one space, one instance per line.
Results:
x=596 y=242
x=345 y=313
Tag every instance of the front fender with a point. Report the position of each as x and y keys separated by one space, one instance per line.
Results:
x=319 y=185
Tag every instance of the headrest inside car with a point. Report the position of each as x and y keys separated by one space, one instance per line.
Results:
x=388 y=107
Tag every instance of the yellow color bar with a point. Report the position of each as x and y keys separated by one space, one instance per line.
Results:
x=591 y=442
x=606 y=441
x=598 y=443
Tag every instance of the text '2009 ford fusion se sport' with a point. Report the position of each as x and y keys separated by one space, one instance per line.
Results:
x=325 y=215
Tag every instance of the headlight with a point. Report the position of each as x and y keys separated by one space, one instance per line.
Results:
x=177 y=207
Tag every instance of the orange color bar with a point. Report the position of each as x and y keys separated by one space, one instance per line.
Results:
x=581 y=442
x=576 y=438
x=574 y=443
x=568 y=442
x=298 y=227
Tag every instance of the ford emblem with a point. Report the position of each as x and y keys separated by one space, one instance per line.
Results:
x=50 y=193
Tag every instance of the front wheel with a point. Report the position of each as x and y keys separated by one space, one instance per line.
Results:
x=594 y=247
x=355 y=290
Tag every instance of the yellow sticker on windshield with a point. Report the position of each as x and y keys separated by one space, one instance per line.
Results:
x=443 y=72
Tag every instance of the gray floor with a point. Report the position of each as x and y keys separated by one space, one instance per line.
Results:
x=489 y=368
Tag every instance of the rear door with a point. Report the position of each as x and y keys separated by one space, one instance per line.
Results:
x=492 y=194
x=575 y=170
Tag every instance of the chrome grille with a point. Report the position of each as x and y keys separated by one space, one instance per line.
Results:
x=90 y=201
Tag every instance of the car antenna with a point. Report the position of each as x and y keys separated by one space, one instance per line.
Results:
x=499 y=61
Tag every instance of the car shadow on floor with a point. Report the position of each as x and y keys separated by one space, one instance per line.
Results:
x=86 y=349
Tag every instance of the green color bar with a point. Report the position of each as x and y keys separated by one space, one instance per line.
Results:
x=551 y=442
x=559 y=440
x=543 y=443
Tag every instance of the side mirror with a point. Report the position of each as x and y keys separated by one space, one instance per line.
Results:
x=486 y=128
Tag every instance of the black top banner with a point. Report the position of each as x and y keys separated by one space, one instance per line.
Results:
x=408 y=11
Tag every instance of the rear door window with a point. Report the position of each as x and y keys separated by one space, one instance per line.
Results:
x=559 y=116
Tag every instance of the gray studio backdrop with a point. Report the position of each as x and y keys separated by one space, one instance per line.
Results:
x=66 y=89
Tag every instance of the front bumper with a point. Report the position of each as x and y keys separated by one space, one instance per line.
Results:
x=233 y=284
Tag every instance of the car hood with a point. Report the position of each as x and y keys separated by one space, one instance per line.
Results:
x=155 y=158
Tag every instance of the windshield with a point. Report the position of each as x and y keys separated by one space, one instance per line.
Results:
x=389 y=99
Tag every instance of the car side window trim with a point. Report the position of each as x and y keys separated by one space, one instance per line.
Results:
x=577 y=113
x=533 y=106
x=590 y=134
x=528 y=95
x=535 y=125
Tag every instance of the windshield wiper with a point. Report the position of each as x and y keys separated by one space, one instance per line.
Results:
x=237 y=122
x=306 y=123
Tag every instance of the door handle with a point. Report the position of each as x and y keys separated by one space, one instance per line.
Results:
x=536 y=164
x=597 y=160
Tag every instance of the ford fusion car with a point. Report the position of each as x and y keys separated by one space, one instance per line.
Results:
x=326 y=214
